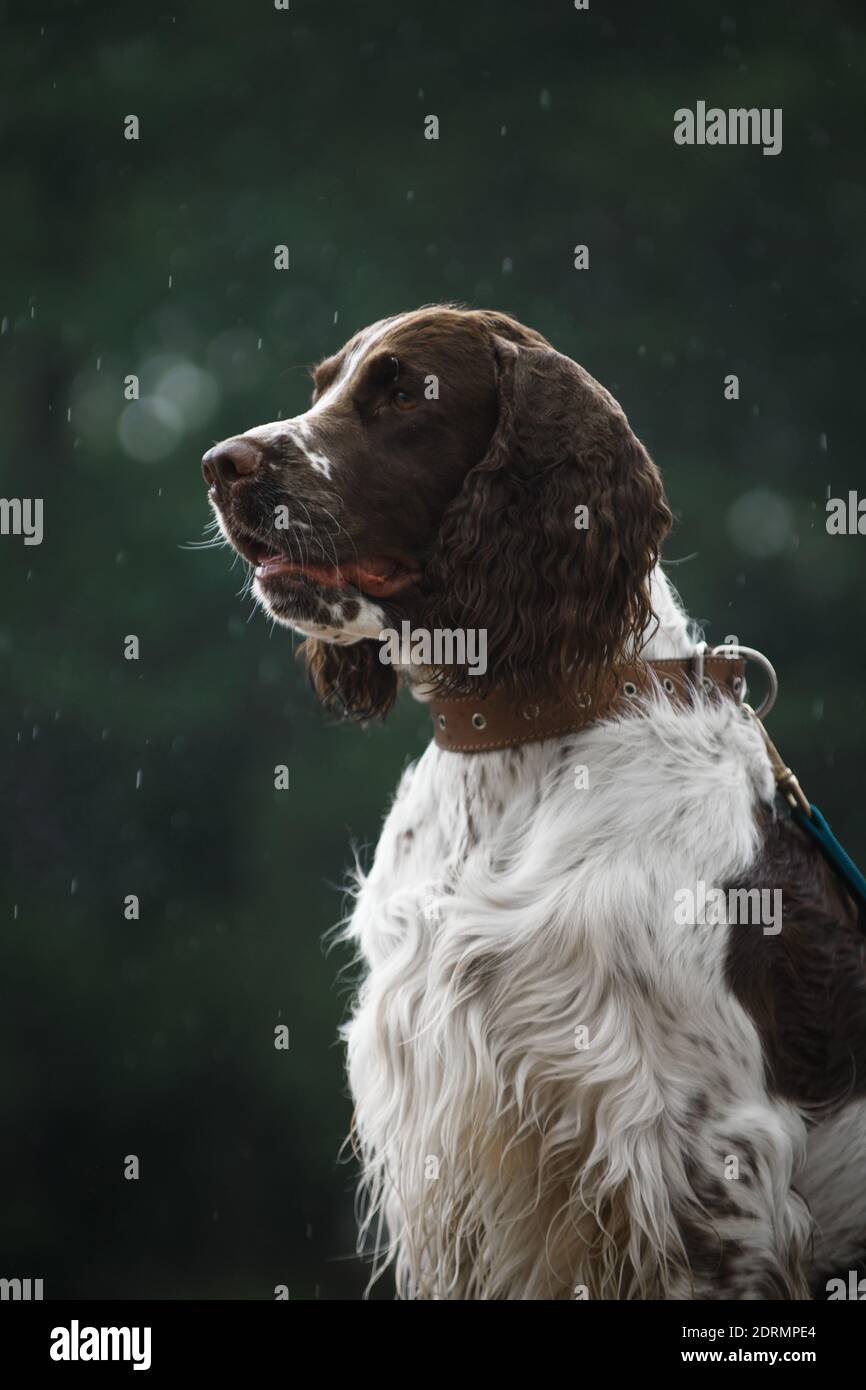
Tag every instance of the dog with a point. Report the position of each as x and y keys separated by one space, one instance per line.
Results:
x=564 y=1086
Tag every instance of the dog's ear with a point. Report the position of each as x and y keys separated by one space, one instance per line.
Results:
x=550 y=543
x=351 y=679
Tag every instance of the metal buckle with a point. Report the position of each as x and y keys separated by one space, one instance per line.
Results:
x=733 y=650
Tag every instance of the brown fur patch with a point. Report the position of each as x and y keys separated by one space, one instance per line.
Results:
x=805 y=988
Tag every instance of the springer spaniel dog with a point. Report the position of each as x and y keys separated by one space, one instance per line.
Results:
x=563 y=1087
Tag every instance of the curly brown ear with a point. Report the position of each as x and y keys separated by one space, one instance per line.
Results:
x=350 y=679
x=551 y=541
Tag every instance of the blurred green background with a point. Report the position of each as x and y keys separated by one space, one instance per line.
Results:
x=155 y=777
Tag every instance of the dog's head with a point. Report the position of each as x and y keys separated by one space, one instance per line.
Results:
x=454 y=471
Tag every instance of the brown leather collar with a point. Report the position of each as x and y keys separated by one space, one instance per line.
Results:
x=466 y=724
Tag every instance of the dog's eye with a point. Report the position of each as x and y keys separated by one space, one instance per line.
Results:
x=404 y=401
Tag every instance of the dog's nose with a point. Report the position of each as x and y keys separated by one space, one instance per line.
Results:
x=231 y=459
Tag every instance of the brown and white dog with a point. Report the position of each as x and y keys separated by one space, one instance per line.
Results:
x=564 y=1086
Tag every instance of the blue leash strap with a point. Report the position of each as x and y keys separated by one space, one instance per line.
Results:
x=815 y=825
x=810 y=819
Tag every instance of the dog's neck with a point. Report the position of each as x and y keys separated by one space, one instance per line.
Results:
x=669 y=633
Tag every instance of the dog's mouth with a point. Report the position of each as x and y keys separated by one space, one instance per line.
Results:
x=379 y=576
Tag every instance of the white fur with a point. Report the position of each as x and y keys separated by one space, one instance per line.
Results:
x=505 y=910
x=833 y=1184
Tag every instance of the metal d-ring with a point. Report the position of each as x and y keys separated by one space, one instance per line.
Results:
x=734 y=649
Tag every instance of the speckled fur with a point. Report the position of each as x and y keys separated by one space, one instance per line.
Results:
x=504 y=911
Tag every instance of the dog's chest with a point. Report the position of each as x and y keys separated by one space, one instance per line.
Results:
x=503 y=884
x=456 y=825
